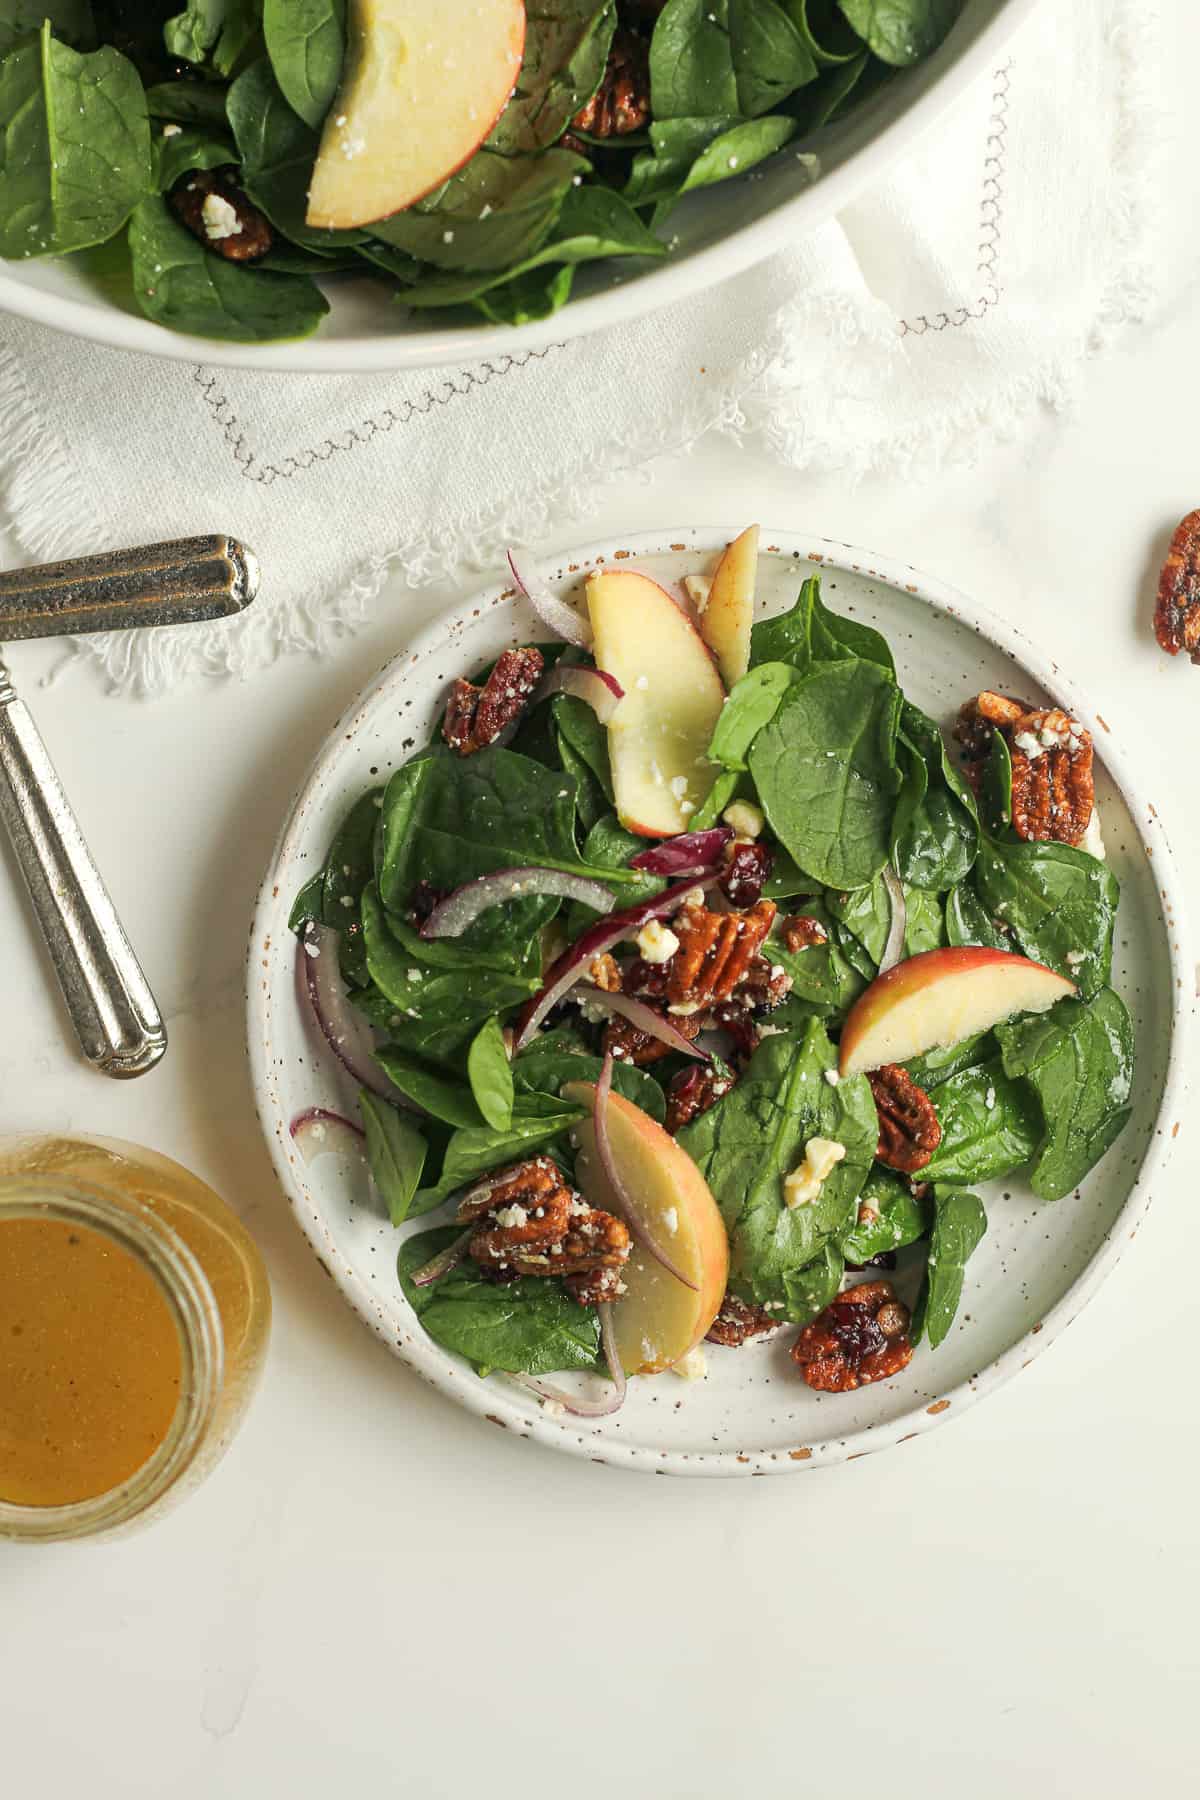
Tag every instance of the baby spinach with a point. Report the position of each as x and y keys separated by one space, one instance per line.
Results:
x=786 y=881
x=74 y=147
x=553 y=1059
x=395 y=1154
x=901 y=32
x=810 y=1290
x=935 y=830
x=958 y=1227
x=566 y=53
x=179 y=284
x=810 y=634
x=474 y=1149
x=489 y=1071
x=586 y=737
x=529 y=1327
x=929 y=1071
x=177 y=156
x=866 y=912
x=1059 y=904
x=826 y=774
x=826 y=32
x=347 y=872
x=752 y=703
x=306 y=41
x=995 y=785
x=894 y=1217
x=711 y=57
x=70 y=20
x=990 y=1125
x=722 y=791
x=494 y=214
x=216 y=31
x=968 y=923
x=188 y=103
x=277 y=151
x=823 y=977
x=686 y=154
x=437 y=1093
x=755 y=1135
x=1079 y=1059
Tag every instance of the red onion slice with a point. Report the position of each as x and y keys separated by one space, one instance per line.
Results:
x=893 y=949
x=575 y=1403
x=554 y=613
x=645 y=1018
x=451 y=916
x=600 y=690
x=694 y=853
x=348 y=1036
x=444 y=1262
x=574 y=962
x=630 y=1210
x=319 y=1132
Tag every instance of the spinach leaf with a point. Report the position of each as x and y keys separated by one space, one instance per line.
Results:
x=722 y=791
x=894 y=1218
x=537 y=294
x=810 y=634
x=752 y=703
x=751 y=1139
x=566 y=53
x=935 y=831
x=70 y=20
x=823 y=28
x=823 y=976
x=685 y=154
x=395 y=1154
x=608 y=847
x=1079 y=1059
x=474 y=1149
x=277 y=152
x=1059 y=904
x=554 y=1059
x=179 y=154
x=826 y=774
x=188 y=103
x=929 y=1071
x=490 y=1073
x=349 y=868
x=958 y=1226
x=786 y=881
x=306 y=41
x=968 y=923
x=990 y=1126
x=529 y=1327
x=712 y=57
x=494 y=214
x=830 y=95
x=309 y=903
x=810 y=1290
x=213 y=30
x=902 y=31
x=436 y=1093
x=586 y=736
x=74 y=147
x=179 y=284
x=866 y=913
x=995 y=785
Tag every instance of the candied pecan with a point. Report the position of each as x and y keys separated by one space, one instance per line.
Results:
x=1051 y=757
x=621 y=103
x=524 y=1211
x=738 y=1321
x=593 y=1240
x=739 y=1023
x=747 y=868
x=802 y=933
x=476 y=717
x=628 y=1044
x=594 y=1287
x=715 y=951
x=210 y=204
x=605 y=974
x=1177 y=613
x=693 y=1091
x=909 y=1132
x=859 y=1338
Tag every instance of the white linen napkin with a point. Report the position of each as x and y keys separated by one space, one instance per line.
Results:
x=938 y=310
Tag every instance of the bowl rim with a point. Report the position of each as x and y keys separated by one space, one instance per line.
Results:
x=939 y=83
x=503 y=1405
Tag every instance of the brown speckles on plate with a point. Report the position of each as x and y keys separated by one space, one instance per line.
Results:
x=939 y=1406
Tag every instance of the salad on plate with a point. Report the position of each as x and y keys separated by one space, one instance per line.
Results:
x=231 y=155
x=695 y=981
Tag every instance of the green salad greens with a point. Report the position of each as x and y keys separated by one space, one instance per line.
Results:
x=872 y=849
x=112 y=110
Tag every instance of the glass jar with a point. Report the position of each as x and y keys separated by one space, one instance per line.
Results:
x=142 y=1226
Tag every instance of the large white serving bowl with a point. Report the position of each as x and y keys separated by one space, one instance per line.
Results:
x=718 y=232
x=1038 y=1265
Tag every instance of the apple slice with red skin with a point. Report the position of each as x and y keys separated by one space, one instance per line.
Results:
x=418 y=96
x=658 y=1319
x=728 y=612
x=934 y=1000
x=658 y=737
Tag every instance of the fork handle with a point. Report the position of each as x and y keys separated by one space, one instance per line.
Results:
x=111 y=1006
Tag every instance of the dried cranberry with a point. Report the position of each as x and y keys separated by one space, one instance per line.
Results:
x=855 y=1332
x=746 y=872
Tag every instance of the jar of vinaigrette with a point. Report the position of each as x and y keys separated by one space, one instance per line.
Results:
x=134 y=1316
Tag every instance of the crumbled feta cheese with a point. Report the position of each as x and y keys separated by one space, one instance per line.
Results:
x=679 y=786
x=821 y=1158
x=698 y=587
x=643 y=682
x=1075 y=957
x=989 y=1099
x=671 y=1220
x=512 y=1216
x=220 y=219
x=1093 y=837
x=685 y=1008
x=656 y=942
x=832 y=1077
x=1028 y=742
x=553 y=1409
x=171 y=130
x=746 y=819
x=693 y=897
x=693 y=1366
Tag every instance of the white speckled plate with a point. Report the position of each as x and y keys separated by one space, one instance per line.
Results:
x=1038 y=1265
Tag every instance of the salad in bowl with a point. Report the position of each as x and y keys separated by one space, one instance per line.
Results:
x=695 y=980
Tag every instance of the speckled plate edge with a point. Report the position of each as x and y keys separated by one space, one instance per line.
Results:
x=504 y=1406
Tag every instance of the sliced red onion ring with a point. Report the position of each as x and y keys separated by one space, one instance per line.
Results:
x=630 y=1210
x=645 y=1018
x=575 y=961
x=554 y=613
x=695 y=853
x=575 y=1403
x=893 y=949
x=600 y=690
x=445 y=1261
x=319 y=1132
x=348 y=1036
x=451 y=916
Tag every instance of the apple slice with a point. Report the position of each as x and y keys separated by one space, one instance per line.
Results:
x=934 y=1000
x=659 y=735
x=728 y=612
x=417 y=99
x=658 y=1319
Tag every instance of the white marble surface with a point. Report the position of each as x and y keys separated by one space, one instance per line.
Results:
x=376 y=1593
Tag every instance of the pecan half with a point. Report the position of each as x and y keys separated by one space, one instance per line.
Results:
x=529 y=1222
x=715 y=952
x=747 y=868
x=594 y=1287
x=861 y=1337
x=621 y=103
x=692 y=1092
x=475 y=717
x=1177 y=613
x=909 y=1132
x=737 y=1321
x=210 y=204
x=1051 y=754
x=801 y=933
x=628 y=1044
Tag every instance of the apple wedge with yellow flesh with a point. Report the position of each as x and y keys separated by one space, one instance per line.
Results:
x=419 y=94
x=728 y=612
x=934 y=1000
x=658 y=1319
x=659 y=735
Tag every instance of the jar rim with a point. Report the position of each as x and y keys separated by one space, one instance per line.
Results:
x=189 y=1297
